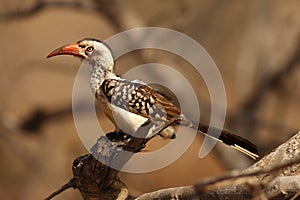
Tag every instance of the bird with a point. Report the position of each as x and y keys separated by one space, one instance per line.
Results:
x=130 y=104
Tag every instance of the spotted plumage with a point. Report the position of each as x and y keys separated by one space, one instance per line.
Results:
x=138 y=98
x=132 y=104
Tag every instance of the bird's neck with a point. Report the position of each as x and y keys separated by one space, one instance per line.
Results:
x=100 y=72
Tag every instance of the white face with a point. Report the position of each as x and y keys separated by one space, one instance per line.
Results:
x=96 y=51
x=98 y=58
x=95 y=55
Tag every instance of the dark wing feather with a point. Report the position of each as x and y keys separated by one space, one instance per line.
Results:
x=139 y=98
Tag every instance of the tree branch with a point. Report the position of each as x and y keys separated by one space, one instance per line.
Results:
x=275 y=176
x=93 y=175
x=43 y=4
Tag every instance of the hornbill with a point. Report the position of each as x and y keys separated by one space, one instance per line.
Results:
x=132 y=103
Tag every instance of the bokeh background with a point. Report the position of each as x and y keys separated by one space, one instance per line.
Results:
x=255 y=44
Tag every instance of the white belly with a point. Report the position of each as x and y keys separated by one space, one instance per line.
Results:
x=127 y=121
x=130 y=122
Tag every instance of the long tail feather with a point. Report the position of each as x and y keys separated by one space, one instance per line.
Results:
x=230 y=139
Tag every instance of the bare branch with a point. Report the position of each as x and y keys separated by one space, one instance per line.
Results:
x=41 y=5
x=265 y=179
x=70 y=184
x=93 y=175
x=273 y=177
x=282 y=162
x=184 y=192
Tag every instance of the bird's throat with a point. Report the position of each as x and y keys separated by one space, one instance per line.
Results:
x=98 y=74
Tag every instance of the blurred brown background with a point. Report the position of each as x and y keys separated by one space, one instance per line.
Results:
x=255 y=45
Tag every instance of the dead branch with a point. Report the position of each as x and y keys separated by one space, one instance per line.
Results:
x=275 y=176
x=70 y=184
x=280 y=188
x=96 y=180
x=94 y=177
x=265 y=175
x=40 y=5
x=184 y=192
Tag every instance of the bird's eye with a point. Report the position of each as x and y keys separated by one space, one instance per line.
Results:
x=89 y=49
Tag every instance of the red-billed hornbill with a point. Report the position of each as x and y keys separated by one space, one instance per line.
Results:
x=134 y=103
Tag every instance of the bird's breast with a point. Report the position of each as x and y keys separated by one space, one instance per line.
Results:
x=125 y=120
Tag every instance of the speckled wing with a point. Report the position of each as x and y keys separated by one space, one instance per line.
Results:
x=138 y=98
x=142 y=100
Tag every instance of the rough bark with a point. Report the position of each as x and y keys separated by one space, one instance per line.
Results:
x=275 y=176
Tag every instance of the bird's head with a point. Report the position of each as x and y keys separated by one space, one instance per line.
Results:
x=96 y=53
